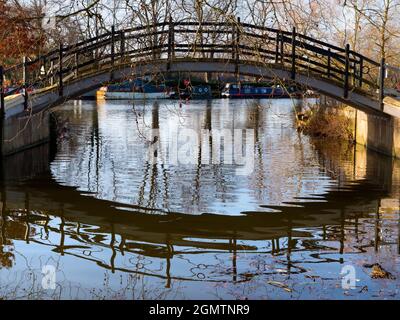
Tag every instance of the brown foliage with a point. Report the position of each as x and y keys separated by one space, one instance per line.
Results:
x=20 y=33
x=326 y=122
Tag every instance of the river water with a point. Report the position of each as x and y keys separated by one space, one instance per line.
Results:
x=145 y=200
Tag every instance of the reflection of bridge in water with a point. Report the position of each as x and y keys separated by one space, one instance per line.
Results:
x=87 y=223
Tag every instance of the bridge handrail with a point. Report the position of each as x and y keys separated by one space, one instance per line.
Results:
x=193 y=23
x=287 y=49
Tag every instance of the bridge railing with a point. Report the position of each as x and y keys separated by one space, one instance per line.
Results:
x=231 y=41
x=391 y=81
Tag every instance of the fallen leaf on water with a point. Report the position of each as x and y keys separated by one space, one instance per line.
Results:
x=378 y=272
x=280 y=285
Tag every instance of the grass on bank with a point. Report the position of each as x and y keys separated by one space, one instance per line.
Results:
x=326 y=122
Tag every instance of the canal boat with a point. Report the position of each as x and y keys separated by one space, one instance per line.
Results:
x=136 y=89
x=238 y=90
x=193 y=92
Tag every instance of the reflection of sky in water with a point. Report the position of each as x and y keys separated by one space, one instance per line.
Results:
x=106 y=155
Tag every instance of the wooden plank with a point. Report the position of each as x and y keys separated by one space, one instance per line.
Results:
x=382 y=73
x=60 y=70
x=293 y=69
x=346 y=73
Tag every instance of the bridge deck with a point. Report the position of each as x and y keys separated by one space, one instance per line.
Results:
x=48 y=97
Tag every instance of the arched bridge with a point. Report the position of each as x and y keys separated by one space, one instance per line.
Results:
x=223 y=47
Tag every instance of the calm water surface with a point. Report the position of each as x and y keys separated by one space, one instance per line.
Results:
x=115 y=225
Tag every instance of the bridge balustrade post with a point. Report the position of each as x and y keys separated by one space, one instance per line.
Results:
x=282 y=48
x=112 y=51
x=382 y=73
x=354 y=75
x=76 y=58
x=293 y=71
x=171 y=42
x=112 y=45
x=233 y=40
x=329 y=63
x=346 y=72
x=122 y=44
x=60 y=71
x=2 y=110
x=277 y=47
x=25 y=81
x=361 y=71
x=214 y=41
x=237 y=44
x=52 y=72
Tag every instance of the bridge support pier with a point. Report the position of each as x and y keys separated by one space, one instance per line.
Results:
x=377 y=132
x=24 y=132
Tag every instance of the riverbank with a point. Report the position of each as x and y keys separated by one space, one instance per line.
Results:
x=379 y=131
x=327 y=121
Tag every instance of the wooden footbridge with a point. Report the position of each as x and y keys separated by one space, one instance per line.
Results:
x=171 y=48
x=220 y=47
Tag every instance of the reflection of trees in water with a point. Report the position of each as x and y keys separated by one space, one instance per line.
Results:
x=14 y=226
x=190 y=184
x=281 y=155
x=254 y=115
x=6 y=255
x=336 y=157
x=115 y=167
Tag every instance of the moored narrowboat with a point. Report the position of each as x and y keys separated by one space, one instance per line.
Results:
x=193 y=92
x=136 y=89
x=238 y=90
